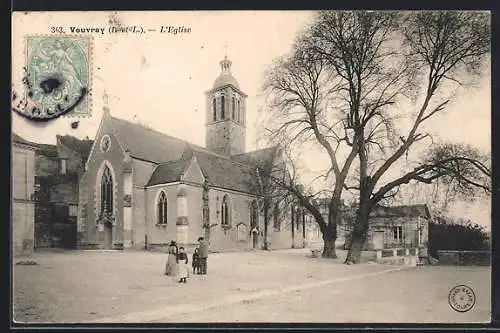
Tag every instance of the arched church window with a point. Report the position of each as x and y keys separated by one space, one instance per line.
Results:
x=214 y=107
x=240 y=116
x=107 y=191
x=233 y=109
x=254 y=213
x=238 y=112
x=225 y=212
x=162 y=208
x=222 y=107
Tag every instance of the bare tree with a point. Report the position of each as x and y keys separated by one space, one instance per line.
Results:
x=440 y=47
x=344 y=86
x=305 y=102
x=286 y=181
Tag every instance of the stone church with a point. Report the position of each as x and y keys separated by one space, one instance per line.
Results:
x=142 y=188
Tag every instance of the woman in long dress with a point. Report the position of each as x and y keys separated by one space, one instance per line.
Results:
x=171 y=266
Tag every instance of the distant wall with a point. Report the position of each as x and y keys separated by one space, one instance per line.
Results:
x=465 y=258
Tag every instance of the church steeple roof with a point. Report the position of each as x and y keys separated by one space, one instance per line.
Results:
x=225 y=77
x=225 y=64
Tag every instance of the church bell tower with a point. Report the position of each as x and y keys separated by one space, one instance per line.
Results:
x=225 y=114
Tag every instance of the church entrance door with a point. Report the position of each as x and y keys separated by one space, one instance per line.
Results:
x=108 y=236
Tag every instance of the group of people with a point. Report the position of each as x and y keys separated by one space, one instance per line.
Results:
x=177 y=262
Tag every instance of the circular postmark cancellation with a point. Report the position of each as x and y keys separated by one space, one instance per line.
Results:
x=461 y=298
x=56 y=78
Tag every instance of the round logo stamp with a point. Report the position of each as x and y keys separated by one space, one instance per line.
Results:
x=461 y=298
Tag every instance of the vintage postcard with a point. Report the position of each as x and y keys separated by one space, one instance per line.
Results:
x=251 y=166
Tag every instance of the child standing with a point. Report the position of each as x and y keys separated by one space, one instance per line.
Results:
x=182 y=261
x=196 y=261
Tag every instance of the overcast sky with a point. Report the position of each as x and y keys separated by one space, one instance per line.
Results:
x=160 y=79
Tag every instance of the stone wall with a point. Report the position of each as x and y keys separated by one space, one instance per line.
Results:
x=465 y=258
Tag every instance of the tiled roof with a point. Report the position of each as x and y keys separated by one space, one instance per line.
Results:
x=173 y=155
x=147 y=144
x=18 y=139
x=222 y=172
x=168 y=172
x=420 y=210
x=225 y=173
x=41 y=148
x=47 y=150
x=262 y=158
x=80 y=146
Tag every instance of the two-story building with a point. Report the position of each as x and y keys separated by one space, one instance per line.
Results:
x=23 y=189
x=57 y=171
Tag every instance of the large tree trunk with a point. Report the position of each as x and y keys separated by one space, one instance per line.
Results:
x=303 y=229
x=206 y=211
x=293 y=228
x=266 y=224
x=329 y=246
x=330 y=234
x=358 y=236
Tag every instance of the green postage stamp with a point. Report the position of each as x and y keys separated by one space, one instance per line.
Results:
x=58 y=76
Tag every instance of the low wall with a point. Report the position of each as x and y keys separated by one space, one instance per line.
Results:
x=398 y=256
x=465 y=258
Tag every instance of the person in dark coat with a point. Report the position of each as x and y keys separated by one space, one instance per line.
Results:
x=196 y=261
x=203 y=255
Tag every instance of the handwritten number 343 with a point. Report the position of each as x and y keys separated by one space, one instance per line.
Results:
x=56 y=30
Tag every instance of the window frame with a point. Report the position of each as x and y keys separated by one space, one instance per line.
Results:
x=162 y=209
x=222 y=107
x=63 y=163
x=226 y=212
x=397 y=234
x=214 y=108
x=239 y=111
x=107 y=191
x=233 y=107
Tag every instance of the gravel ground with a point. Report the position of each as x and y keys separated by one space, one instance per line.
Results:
x=88 y=285
x=417 y=295
x=91 y=286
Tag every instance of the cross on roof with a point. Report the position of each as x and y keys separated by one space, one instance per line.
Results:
x=105 y=97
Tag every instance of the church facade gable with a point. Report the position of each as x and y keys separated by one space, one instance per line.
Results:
x=193 y=173
x=104 y=180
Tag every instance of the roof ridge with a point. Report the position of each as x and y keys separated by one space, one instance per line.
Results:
x=151 y=130
x=209 y=152
x=172 y=162
x=256 y=150
x=73 y=137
